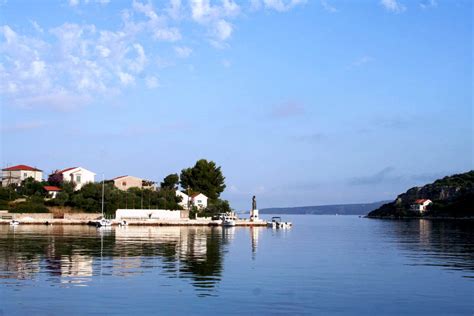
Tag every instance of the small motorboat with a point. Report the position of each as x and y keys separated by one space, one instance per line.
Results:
x=123 y=223
x=103 y=222
x=228 y=221
x=278 y=223
x=14 y=222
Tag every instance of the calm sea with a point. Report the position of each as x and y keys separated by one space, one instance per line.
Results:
x=323 y=265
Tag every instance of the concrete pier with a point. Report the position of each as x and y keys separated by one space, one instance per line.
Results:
x=147 y=222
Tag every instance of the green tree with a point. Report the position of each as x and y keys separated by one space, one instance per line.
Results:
x=170 y=182
x=30 y=186
x=216 y=207
x=204 y=177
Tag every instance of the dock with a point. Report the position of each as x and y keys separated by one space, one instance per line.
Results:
x=147 y=222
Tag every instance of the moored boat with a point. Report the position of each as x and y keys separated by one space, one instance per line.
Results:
x=278 y=223
x=228 y=222
x=14 y=222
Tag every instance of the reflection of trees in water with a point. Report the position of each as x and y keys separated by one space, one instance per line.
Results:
x=74 y=252
x=448 y=244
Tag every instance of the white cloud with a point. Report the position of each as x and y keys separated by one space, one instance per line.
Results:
x=362 y=61
x=72 y=64
x=277 y=5
x=23 y=126
x=171 y=34
x=75 y=3
x=427 y=4
x=223 y=30
x=328 y=7
x=393 y=6
x=126 y=78
x=214 y=17
x=156 y=24
x=183 y=51
x=37 y=27
x=174 y=9
x=152 y=82
x=226 y=63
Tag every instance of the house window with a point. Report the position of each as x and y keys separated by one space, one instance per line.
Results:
x=78 y=178
x=124 y=183
x=25 y=175
x=199 y=201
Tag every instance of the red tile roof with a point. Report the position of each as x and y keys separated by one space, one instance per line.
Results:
x=51 y=188
x=421 y=201
x=20 y=168
x=195 y=194
x=64 y=170
x=119 y=177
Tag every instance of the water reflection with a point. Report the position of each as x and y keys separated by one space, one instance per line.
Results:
x=447 y=244
x=75 y=254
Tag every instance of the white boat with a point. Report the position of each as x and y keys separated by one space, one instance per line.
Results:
x=278 y=223
x=123 y=223
x=14 y=223
x=228 y=222
x=103 y=222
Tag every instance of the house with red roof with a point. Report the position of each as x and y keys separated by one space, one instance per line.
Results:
x=420 y=205
x=52 y=190
x=78 y=175
x=196 y=199
x=14 y=175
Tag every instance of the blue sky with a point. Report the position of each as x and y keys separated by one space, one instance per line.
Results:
x=300 y=102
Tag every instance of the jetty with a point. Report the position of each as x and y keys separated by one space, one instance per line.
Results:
x=147 y=222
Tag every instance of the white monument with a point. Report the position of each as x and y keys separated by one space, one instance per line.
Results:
x=254 y=211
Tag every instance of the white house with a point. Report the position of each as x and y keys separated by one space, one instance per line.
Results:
x=52 y=190
x=78 y=175
x=184 y=199
x=197 y=199
x=16 y=174
x=420 y=205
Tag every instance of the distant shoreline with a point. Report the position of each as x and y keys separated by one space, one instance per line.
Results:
x=420 y=217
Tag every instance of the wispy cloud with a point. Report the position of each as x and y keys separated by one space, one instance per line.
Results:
x=328 y=7
x=376 y=178
x=393 y=6
x=23 y=126
x=362 y=61
x=277 y=5
x=71 y=64
x=427 y=4
x=311 y=138
x=288 y=109
x=183 y=51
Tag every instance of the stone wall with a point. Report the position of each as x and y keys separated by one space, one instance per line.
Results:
x=32 y=216
x=82 y=216
x=144 y=214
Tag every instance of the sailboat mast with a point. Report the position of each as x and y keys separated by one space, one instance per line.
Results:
x=102 y=195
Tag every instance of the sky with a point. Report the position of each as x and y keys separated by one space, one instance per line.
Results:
x=300 y=102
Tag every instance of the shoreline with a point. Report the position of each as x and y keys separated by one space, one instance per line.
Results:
x=393 y=217
x=188 y=222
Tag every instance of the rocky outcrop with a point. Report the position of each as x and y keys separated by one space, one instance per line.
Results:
x=452 y=196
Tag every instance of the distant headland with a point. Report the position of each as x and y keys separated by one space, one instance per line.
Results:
x=449 y=197
x=333 y=209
